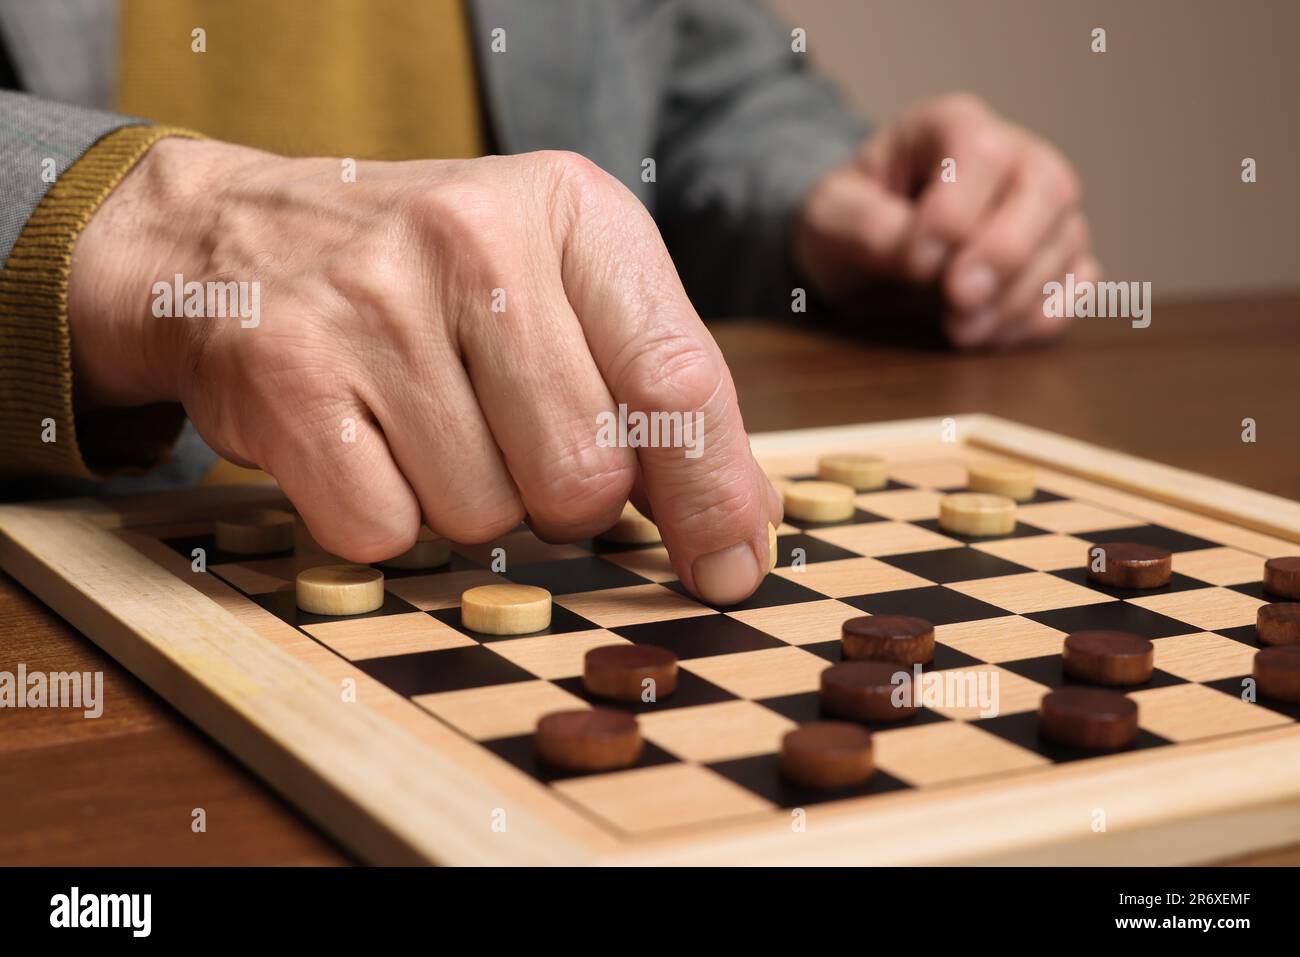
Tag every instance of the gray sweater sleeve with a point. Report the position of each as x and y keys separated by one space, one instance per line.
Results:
x=39 y=139
x=746 y=130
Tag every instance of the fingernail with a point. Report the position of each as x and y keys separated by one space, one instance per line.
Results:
x=975 y=286
x=775 y=505
x=728 y=576
x=771 y=547
x=973 y=329
x=929 y=256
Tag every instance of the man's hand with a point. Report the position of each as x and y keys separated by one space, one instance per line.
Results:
x=1009 y=223
x=377 y=322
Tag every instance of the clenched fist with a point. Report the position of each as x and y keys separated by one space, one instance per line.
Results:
x=436 y=342
x=952 y=194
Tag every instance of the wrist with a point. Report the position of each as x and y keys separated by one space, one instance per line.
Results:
x=149 y=228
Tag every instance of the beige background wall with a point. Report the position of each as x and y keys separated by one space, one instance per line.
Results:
x=1157 y=126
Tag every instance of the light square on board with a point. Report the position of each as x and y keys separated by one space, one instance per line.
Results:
x=767 y=673
x=948 y=751
x=1209 y=609
x=963 y=692
x=1069 y=516
x=717 y=732
x=555 y=656
x=1220 y=566
x=498 y=711
x=650 y=563
x=635 y=605
x=1029 y=592
x=852 y=576
x=663 y=797
x=1001 y=639
x=1187 y=712
x=251 y=581
x=1203 y=656
x=1222 y=533
x=902 y=505
x=358 y=638
x=806 y=623
x=932 y=475
x=1043 y=553
x=875 y=539
x=435 y=592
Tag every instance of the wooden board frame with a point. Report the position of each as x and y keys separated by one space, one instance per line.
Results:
x=393 y=799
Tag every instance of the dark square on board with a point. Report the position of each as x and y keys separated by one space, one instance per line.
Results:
x=761 y=775
x=1246 y=634
x=1235 y=686
x=692 y=690
x=458 y=563
x=772 y=591
x=859 y=517
x=185 y=545
x=568 y=576
x=1050 y=670
x=1022 y=530
x=700 y=637
x=1156 y=535
x=1256 y=590
x=814 y=550
x=944 y=656
x=889 y=486
x=519 y=751
x=284 y=605
x=945 y=565
x=1040 y=496
x=450 y=669
x=1022 y=729
x=936 y=604
x=563 y=622
x=806 y=707
x=1112 y=616
x=1177 y=582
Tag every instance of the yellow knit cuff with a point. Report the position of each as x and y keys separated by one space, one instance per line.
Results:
x=38 y=433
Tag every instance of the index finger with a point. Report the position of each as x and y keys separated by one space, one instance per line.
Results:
x=676 y=403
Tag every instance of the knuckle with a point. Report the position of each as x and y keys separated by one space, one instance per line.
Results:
x=478 y=519
x=989 y=146
x=583 y=490
x=730 y=503
x=1008 y=249
x=573 y=172
x=1069 y=188
x=670 y=371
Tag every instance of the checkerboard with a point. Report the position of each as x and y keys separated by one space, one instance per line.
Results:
x=707 y=786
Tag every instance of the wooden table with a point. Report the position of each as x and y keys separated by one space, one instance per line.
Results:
x=122 y=789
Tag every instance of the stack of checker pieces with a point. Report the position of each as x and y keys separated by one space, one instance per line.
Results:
x=750 y=674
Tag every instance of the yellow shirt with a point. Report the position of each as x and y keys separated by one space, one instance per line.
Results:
x=370 y=79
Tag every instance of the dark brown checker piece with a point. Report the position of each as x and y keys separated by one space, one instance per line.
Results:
x=864 y=691
x=1279 y=623
x=827 y=754
x=598 y=739
x=1108 y=657
x=904 y=639
x=1282 y=576
x=619 y=672
x=1277 y=673
x=1093 y=719
x=1131 y=565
